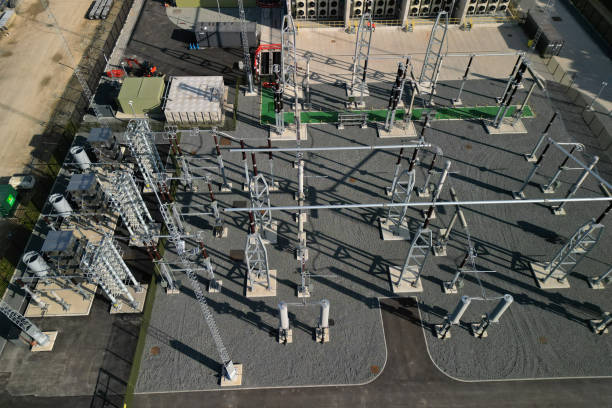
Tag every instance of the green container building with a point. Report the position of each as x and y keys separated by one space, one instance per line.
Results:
x=145 y=94
x=8 y=200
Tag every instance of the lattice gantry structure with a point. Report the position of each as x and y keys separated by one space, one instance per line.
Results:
x=245 y=48
x=395 y=224
x=24 y=324
x=260 y=280
x=176 y=230
x=103 y=265
x=260 y=197
x=256 y=257
x=553 y=275
x=434 y=55
x=358 y=84
x=126 y=199
x=288 y=56
x=142 y=145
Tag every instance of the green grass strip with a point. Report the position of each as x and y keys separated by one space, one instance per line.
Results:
x=142 y=335
x=379 y=115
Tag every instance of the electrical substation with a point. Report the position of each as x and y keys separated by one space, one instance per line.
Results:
x=282 y=175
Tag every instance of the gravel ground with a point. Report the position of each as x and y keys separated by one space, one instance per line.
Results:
x=544 y=333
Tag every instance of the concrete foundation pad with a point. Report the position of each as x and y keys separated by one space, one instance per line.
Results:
x=596 y=285
x=236 y=381
x=558 y=211
x=439 y=250
x=216 y=287
x=286 y=338
x=224 y=233
x=437 y=330
x=549 y=189
x=387 y=234
x=448 y=288
x=596 y=322
x=302 y=293
x=406 y=285
x=539 y=273
x=261 y=291
x=400 y=129
x=422 y=193
x=78 y=305
x=507 y=127
x=274 y=187
x=139 y=297
x=47 y=347
x=290 y=133
x=322 y=335
x=227 y=189
x=474 y=329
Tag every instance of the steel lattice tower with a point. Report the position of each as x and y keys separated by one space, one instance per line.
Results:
x=288 y=57
x=176 y=231
x=104 y=266
x=433 y=55
x=260 y=197
x=140 y=140
x=402 y=191
x=245 y=47
x=125 y=198
x=360 y=59
x=256 y=260
x=23 y=323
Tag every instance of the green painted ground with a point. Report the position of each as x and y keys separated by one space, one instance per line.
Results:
x=442 y=113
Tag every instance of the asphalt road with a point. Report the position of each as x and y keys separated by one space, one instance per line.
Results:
x=408 y=379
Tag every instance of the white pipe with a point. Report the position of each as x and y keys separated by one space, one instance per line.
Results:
x=315 y=149
x=419 y=204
